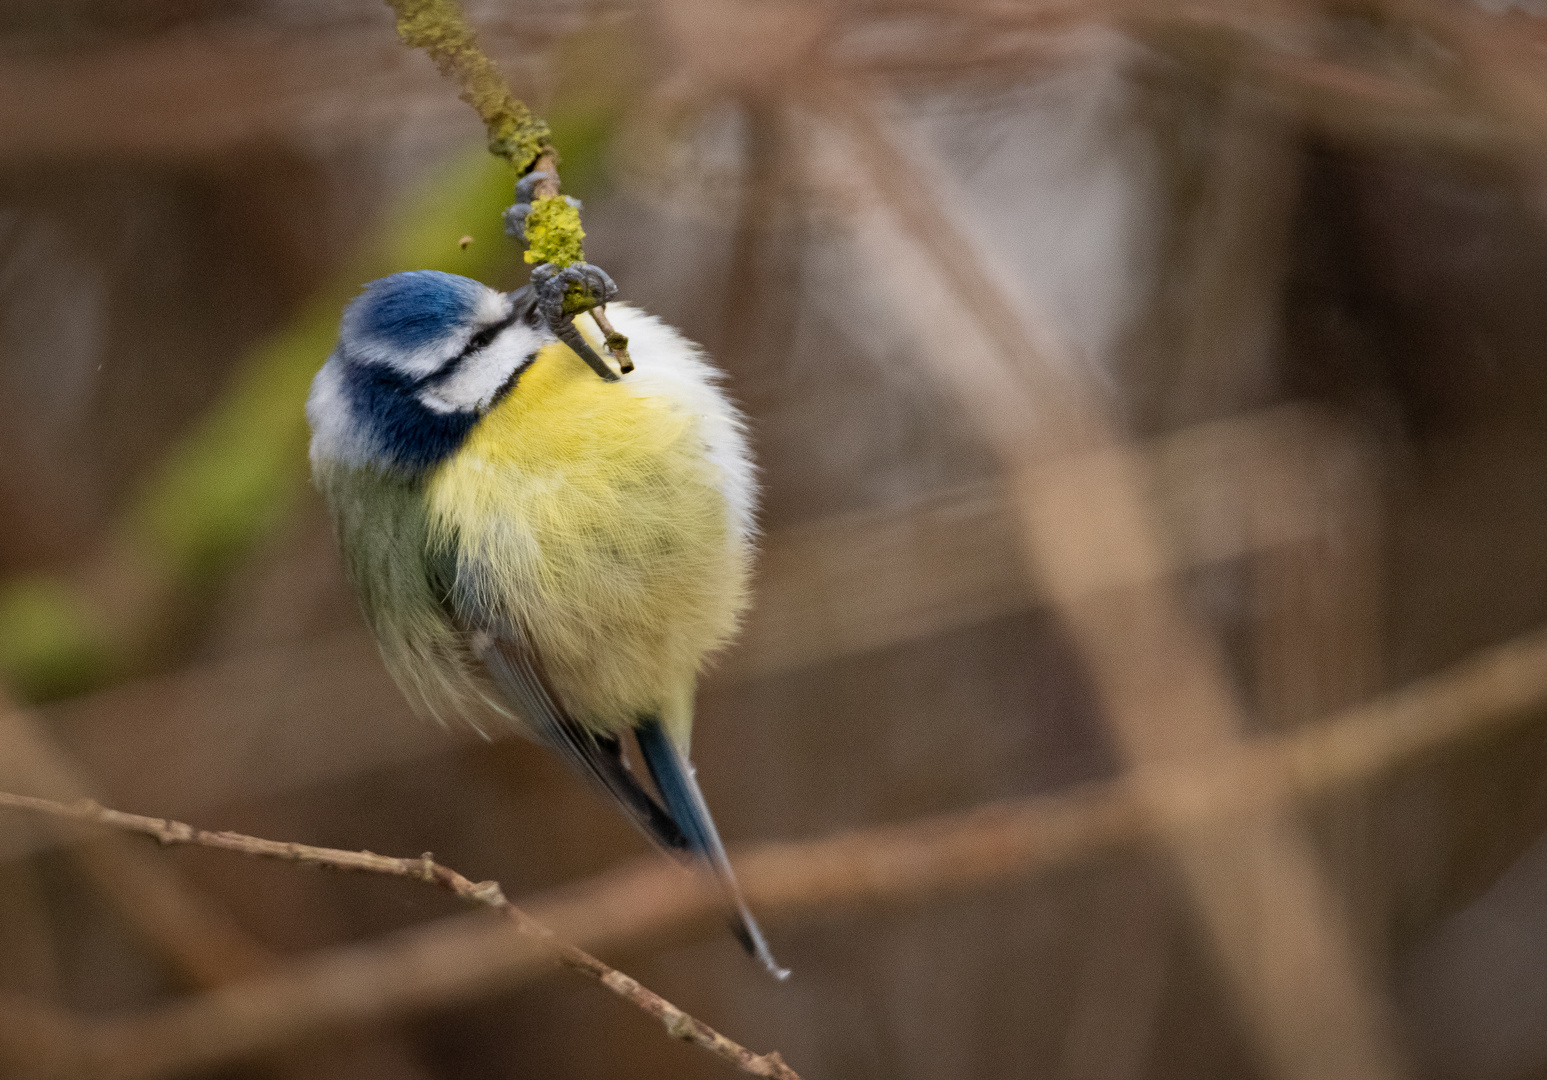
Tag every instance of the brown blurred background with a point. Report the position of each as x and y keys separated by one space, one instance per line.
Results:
x=1290 y=257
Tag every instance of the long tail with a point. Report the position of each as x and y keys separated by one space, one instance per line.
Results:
x=682 y=828
x=674 y=779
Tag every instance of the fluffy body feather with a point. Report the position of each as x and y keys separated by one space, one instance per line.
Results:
x=613 y=521
x=590 y=514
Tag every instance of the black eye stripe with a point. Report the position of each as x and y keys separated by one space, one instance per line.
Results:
x=476 y=343
x=515 y=376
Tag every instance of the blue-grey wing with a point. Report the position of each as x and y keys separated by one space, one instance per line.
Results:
x=516 y=671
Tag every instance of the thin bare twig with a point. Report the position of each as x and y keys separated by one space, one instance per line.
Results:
x=679 y=1024
x=201 y=942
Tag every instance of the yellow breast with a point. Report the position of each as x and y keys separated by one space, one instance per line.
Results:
x=589 y=514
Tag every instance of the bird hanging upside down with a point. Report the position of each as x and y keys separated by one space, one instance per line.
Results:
x=538 y=547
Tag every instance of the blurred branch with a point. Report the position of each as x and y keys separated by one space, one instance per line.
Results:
x=1089 y=533
x=228 y=85
x=679 y=1024
x=235 y=84
x=854 y=583
x=460 y=957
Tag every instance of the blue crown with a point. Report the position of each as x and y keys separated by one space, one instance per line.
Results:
x=412 y=309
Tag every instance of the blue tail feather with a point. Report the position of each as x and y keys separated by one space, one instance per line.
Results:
x=673 y=776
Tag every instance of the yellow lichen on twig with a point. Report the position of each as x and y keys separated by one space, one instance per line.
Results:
x=553 y=233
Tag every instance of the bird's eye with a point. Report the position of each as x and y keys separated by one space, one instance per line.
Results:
x=483 y=337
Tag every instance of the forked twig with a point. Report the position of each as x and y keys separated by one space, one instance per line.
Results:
x=679 y=1024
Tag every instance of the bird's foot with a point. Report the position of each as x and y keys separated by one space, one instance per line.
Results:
x=564 y=292
x=561 y=293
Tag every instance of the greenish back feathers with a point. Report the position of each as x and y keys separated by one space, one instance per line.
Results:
x=384 y=534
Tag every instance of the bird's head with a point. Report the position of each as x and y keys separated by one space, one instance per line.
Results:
x=421 y=356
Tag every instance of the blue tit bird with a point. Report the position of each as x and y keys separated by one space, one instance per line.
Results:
x=538 y=549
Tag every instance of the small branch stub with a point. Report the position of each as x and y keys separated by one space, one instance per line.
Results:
x=549 y=224
x=617 y=343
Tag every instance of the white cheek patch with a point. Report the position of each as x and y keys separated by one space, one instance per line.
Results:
x=471 y=388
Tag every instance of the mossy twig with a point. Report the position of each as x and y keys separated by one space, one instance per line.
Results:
x=439 y=28
x=551 y=228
